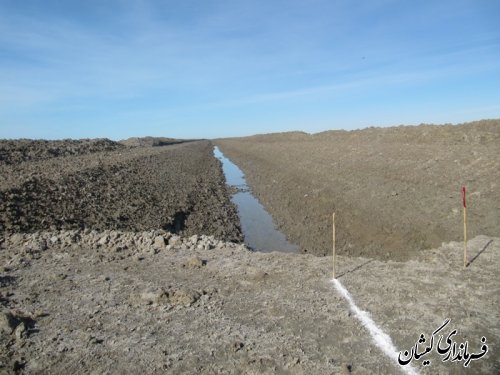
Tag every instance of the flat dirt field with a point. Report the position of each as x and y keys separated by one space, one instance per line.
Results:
x=73 y=303
x=395 y=191
x=126 y=258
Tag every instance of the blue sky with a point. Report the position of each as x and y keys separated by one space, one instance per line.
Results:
x=121 y=68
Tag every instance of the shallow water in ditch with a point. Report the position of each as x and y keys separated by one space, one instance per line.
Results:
x=256 y=223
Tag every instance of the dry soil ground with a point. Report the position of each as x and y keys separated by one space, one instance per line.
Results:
x=126 y=303
x=85 y=290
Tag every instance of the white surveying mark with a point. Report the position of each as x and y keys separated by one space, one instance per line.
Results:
x=380 y=338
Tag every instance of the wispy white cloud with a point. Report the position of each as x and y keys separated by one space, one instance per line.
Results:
x=76 y=61
x=172 y=59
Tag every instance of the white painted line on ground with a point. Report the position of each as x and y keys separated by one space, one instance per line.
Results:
x=380 y=338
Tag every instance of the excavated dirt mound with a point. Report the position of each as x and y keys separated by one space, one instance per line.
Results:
x=180 y=188
x=17 y=151
x=395 y=191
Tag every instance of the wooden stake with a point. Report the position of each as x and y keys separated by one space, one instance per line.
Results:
x=464 y=203
x=465 y=237
x=333 y=237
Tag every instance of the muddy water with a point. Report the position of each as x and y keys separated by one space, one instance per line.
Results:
x=256 y=223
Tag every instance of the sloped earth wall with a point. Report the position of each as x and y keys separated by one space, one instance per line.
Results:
x=179 y=188
x=395 y=191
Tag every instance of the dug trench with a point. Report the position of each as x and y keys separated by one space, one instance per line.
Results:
x=120 y=293
x=395 y=191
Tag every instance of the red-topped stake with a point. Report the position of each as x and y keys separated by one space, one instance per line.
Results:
x=464 y=192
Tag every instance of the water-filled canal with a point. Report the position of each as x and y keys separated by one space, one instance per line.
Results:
x=256 y=223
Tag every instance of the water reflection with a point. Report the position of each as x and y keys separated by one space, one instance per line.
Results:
x=256 y=223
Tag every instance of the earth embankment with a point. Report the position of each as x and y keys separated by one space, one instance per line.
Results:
x=106 y=185
x=395 y=190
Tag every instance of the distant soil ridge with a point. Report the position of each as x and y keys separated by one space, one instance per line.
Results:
x=14 y=151
x=151 y=141
x=476 y=132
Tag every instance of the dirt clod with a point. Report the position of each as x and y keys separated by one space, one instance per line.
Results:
x=195 y=263
x=7 y=322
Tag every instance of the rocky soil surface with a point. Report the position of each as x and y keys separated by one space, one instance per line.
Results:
x=395 y=191
x=118 y=302
x=21 y=150
x=180 y=188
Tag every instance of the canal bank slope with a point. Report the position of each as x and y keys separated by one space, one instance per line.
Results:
x=395 y=191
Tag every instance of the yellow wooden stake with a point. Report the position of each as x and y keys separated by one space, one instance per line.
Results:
x=333 y=237
x=465 y=237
